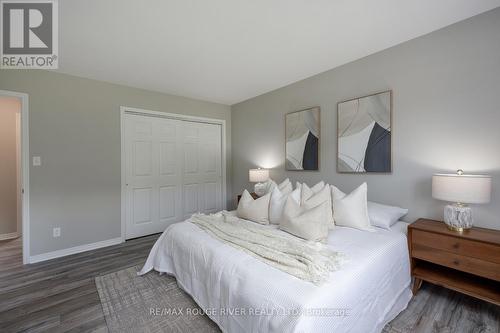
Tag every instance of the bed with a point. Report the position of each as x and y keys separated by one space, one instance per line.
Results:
x=242 y=294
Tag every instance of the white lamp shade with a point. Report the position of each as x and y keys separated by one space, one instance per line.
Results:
x=258 y=175
x=468 y=189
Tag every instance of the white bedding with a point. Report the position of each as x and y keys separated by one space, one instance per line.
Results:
x=242 y=294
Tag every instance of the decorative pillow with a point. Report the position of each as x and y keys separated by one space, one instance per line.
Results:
x=295 y=195
x=305 y=223
x=285 y=184
x=285 y=187
x=307 y=192
x=310 y=198
x=318 y=187
x=351 y=210
x=254 y=210
x=277 y=203
x=269 y=186
x=384 y=216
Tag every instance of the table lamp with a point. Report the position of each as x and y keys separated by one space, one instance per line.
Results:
x=258 y=176
x=461 y=189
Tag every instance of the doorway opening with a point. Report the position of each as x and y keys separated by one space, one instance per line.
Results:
x=14 y=231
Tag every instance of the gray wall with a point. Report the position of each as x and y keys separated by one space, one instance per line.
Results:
x=446 y=116
x=8 y=165
x=75 y=128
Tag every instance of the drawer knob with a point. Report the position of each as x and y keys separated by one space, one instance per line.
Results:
x=456 y=262
x=456 y=245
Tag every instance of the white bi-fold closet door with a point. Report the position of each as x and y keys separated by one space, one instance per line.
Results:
x=173 y=169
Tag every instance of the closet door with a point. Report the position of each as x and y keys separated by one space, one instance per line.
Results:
x=153 y=174
x=202 y=185
x=173 y=169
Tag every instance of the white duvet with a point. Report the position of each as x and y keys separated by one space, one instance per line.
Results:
x=242 y=294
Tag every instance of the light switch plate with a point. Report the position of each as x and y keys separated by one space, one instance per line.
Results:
x=56 y=232
x=37 y=161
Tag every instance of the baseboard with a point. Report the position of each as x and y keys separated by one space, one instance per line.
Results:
x=9 y=236
x=73 y=250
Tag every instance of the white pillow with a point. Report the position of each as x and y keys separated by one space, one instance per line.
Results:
x=351 y=210
x=384 y=216
x=295 y=195
x=318 y=187
x=305 y=223
x=277 y=203
x=254 y=210
x=284 y=184
x=269 y=186
x=310 y=198
x=315 y=188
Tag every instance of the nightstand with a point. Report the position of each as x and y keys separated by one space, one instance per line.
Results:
x=467 y=262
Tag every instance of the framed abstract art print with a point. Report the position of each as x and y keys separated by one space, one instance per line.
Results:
x=302 y=132
x=364 y=134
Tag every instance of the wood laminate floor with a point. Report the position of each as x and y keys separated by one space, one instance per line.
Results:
x=60 y=295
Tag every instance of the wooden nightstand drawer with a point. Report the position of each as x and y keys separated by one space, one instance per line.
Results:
x=461 y=246
x=468 y=262
x=475 y=266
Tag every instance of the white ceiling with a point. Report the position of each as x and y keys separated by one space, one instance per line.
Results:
x=230 y=50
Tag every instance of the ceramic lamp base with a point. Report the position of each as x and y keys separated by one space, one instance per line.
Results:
x=458 y=217
x=260 y=189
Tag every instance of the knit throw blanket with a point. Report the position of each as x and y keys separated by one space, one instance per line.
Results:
x=309 y=261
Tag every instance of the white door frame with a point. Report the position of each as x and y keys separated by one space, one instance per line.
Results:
x=142 y=112
x=25 y=169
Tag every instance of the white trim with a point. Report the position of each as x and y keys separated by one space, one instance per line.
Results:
x=25 y=161
x=195 y=119
x=19 y=185
x=12 y=235
x=74 y=250
x=143 y=112
x=123 y=175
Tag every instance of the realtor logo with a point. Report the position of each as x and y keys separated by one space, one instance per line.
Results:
x=29 y=36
